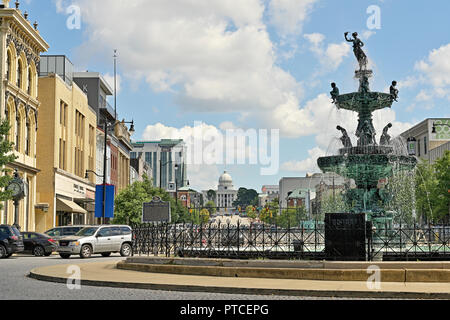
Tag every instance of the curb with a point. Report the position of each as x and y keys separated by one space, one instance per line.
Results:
x=34 y=274
x=314 y=273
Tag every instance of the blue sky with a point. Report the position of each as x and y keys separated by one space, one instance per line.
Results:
x=255 y=65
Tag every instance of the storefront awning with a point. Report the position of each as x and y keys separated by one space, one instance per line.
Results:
x=68 y=206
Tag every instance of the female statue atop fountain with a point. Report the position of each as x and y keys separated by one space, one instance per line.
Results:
x=359 y=53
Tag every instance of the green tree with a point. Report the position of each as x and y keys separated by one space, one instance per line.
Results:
x=204 y=216
x=128 y=203
x=246 y=197
x=291 y=217
x=6 y=157
x=442 y=188
x=211 y=207
x=251 y=212
x=211 y=195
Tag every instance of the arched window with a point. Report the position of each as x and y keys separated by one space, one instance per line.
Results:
x=18 y=125
x=30 y=81
x=19 y=73
x=28 y=138
x=8 y=66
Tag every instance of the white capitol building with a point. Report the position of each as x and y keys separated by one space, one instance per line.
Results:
x=225 y=193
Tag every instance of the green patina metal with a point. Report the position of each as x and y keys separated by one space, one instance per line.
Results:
x=368 y=162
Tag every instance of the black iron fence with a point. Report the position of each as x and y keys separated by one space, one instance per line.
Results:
x=304 y=240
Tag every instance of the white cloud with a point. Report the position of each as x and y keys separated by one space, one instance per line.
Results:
x=308 y=165
x=288 y=16
x=437 y=67
x=210 y=147
x=331 y=56
x=109 y=78
x=214 y=56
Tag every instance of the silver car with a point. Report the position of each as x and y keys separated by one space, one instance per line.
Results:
x=97 y=239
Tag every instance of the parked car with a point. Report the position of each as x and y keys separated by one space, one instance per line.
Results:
x=97 y=239
x=39 y=244
x=11 y=241
x=60 y=232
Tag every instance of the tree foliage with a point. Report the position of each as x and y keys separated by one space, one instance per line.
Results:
x=432 y=189
x=246 y=197
x=128 y=203
x=6 y=157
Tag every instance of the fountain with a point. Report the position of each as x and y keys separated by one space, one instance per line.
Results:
x=368 y=162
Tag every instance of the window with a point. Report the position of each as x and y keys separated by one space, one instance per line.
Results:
x=418 y=148
x=79 y=144
x=27 y=139
x=19 y=73
x=125 y=230
x=425 y=145
x=105 y=232
x=148 y=157
x=18 y=124
x=30 y=81
x=63 y=113
x=8 y=66
x=115 y=231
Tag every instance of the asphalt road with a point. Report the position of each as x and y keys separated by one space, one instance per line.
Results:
x=15 y=285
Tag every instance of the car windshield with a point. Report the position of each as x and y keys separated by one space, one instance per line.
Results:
x=86 y=232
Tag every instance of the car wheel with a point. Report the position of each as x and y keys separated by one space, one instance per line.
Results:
x=86 y=251
x=106 y=254
x=125 y=251
x=38 y=251
x=64 y=255
x=48 y=254
x=3 y=252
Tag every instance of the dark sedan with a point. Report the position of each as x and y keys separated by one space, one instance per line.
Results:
x=10 y=241
x=38 y=244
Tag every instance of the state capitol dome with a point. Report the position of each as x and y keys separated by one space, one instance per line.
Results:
x=225 y=180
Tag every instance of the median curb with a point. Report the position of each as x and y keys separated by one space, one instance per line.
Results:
x=302 y=270
x=106 y=274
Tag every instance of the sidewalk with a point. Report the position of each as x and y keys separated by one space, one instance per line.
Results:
x=106 y=274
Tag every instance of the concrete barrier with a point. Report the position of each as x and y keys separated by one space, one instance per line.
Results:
x=299 y=270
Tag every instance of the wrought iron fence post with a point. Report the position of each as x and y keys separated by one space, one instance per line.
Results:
x=238 y=237
x=429 y=239
x=416 y=242
x=400 y=231
x=167 y=240
x=289 y=235
x=263 y=242
x=201 y=236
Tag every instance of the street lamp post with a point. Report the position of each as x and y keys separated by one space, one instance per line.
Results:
x=105 y=127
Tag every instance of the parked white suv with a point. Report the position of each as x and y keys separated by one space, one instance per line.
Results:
x=97 y=239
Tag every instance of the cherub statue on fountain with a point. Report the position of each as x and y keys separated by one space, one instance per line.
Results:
x=394 y=91
x=385 y=137
x=346 y=141
x=335 y=92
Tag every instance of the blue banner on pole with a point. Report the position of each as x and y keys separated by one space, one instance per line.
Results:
x=109 y=201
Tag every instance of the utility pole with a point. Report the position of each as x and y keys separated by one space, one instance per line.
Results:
x=115 y=85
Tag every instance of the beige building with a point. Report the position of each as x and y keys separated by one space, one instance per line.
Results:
x=20 y=49
x=123 y=155
x=66 y=148
x=430 y=145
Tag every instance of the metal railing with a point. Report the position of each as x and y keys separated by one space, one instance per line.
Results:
x=303 y=240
